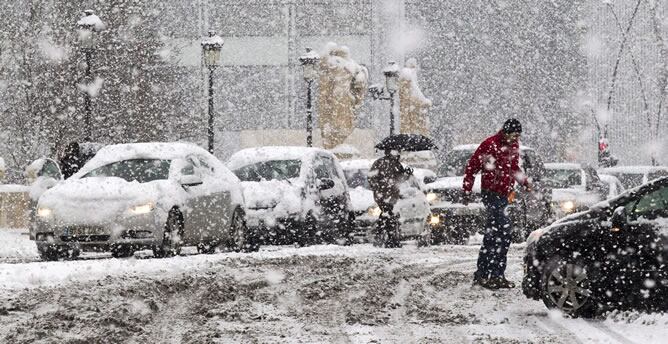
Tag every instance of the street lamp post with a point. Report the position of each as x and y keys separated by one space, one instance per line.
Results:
x=211 y=47
x=88 y=25
x=309 y=62
x=391 y=73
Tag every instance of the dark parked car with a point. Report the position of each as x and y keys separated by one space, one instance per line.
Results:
x=612 y=256
x=453 y=222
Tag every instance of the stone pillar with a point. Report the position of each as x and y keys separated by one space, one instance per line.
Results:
x=413 y=106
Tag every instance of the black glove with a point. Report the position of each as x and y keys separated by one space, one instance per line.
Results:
x=409 y=171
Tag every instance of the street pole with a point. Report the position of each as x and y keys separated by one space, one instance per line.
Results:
x=87 y=101
x=391 y=113
x=210 y=127
x=309 y=115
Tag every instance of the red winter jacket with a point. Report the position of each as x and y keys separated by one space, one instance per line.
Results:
x=499 y=162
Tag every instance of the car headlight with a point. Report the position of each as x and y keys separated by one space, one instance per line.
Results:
x=567 y=206
x=434 y=219
x=374 y=211
x=142 y=208
x=44 y=212
x=432 y=197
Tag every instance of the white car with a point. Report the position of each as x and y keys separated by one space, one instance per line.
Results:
x=412 y=207
x=293 y=194
x=144 y=195
x=574 y=187
x=632 y=176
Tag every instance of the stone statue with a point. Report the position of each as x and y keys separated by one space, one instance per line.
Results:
x=342 y=85
x=413 y=105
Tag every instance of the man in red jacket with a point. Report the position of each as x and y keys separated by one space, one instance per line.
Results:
x=498 y=159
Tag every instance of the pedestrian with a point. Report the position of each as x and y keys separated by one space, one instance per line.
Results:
x=385 y=176
x=70 y=161
x=497 y=158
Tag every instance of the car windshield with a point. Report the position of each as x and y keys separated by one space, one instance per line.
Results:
x=630 y=180
x=657 y=175
x=455 y=163
x=269 y=170
x=140 y=170
x=357 y=177
x=562 y=178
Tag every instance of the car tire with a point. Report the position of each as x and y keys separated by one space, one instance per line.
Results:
x=437 y=236
x=243 y=240
x=206 y=248
x=566 y=286
x=52 y=253
x=171 y=238
x=122 y=251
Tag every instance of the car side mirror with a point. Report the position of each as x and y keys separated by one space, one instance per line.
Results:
x=190 y=180
x=429 y=180
x=325 y=184
x=619 y=219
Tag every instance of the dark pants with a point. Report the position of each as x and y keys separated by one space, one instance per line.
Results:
x=498 y=234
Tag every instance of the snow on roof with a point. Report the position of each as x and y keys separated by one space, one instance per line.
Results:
x=345 y=149
x=11 y=188
x=632 y=169
x=357 y=164
x=146 y=150
x=249 y=156
x=563 y=166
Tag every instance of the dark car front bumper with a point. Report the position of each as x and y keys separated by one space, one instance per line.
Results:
x=457 y=219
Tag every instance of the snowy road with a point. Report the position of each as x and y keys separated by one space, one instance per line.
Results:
x=332 y=294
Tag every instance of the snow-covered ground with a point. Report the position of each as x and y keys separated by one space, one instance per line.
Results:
x=333 y=294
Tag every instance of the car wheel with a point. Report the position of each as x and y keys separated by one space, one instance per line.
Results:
x=242 y=239
x=122 y=251
x=206 y=248
x=437 y=236
x=171 y=238
x=52 y=253
x=566 y=285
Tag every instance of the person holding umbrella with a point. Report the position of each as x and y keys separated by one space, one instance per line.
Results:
x=385 y=176
x=498 y=159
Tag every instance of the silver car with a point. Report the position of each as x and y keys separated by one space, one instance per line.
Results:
x=145 y=195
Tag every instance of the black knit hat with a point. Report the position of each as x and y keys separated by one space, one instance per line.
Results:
x=512 y=125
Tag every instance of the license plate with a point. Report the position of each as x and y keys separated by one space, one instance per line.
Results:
x=80 y=231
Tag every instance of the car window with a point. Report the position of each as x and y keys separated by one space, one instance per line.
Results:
x=270 y=170
x=331 y=167
x=455 y=163
x=562 y=178
x=653 y=204
x=320 y=169
x=630 y=180
x=657 y=174
x=357 y=177
x=140 y=170
x=50 y=169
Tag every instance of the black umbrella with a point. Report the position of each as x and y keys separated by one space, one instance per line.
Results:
x=407 y=142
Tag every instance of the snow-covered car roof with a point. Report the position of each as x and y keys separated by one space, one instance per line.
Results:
x=145 y=150
x=632 y=169
x=356 y=164
x=562 y=166
x=250 y=156
x=473 y=147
